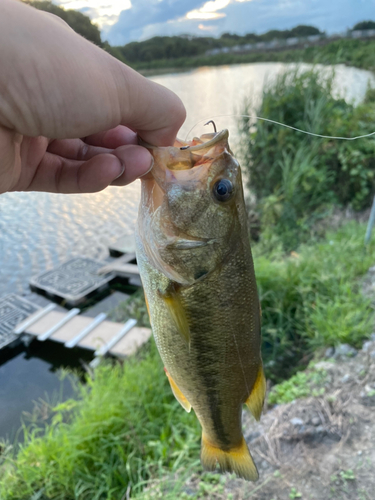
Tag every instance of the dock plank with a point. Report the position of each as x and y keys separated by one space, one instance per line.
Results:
x=132 y=341
x=45 y=323
x=71 y=329
x=101 y=335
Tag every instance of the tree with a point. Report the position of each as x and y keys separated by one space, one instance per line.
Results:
x=80 y=23
x=303 y=30
x=364 y=25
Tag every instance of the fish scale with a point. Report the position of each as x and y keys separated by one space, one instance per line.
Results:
x=199 y=282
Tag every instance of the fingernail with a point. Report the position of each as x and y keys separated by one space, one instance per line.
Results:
x=150 y=168
x=122 y=169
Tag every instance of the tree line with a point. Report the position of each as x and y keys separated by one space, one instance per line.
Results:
x=172 y=47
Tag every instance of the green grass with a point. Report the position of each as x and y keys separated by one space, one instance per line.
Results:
x=125 y=429
x=301 y=385
x=312 y=299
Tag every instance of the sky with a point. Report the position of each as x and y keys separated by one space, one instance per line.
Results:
x=123 y=21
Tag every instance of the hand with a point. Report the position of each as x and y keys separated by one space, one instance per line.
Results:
x=69 y=112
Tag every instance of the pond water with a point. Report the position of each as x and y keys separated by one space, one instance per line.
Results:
x=40 y=230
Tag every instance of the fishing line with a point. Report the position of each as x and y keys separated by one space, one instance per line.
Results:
x=283 y=125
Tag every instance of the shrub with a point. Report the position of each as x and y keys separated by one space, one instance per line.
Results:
x=296 y=177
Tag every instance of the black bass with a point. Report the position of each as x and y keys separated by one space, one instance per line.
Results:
x=194 y=256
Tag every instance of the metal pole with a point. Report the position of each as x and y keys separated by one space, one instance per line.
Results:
x=370 y=223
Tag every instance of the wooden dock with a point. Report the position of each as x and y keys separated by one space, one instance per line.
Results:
x=74 y=330
x=73 y=283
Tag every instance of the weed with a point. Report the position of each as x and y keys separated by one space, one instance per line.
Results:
x=294 y=494
x=347 y=475
x=301 y=385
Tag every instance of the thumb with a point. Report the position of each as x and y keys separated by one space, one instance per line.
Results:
x=136 y=161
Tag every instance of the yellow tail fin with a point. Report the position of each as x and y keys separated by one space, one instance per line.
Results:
x=236 y=460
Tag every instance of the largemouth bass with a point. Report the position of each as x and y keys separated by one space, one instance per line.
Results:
x=194 y=256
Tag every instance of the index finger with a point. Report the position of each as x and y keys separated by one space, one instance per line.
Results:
x=66 y=87
x=151 y=110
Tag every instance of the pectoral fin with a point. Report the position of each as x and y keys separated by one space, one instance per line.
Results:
x=255 y=400
x=177 y=312
x=178 y=394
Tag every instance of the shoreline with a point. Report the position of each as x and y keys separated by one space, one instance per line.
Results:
x=351 y=52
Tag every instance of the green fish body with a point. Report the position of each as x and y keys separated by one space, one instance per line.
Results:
x=194 y=256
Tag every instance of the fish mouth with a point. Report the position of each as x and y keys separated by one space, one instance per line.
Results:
x=205 y=141
x=187 y=162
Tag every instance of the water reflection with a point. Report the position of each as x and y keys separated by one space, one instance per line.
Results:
x=30 y=375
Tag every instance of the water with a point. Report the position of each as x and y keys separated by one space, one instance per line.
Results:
x=31 y=375
x=41 y=230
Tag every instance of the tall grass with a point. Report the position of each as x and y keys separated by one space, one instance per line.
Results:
x=297 y=177
x=312 y=299
x=123 y=428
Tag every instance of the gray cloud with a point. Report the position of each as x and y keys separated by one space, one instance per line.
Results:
x=144 y=13
x=148 y=18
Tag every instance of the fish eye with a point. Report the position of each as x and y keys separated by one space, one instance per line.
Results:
x=223 y=190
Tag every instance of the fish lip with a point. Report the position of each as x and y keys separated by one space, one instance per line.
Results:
x=218 y=136
x=188 y=244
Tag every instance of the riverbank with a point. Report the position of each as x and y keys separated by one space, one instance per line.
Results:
x=351 y=52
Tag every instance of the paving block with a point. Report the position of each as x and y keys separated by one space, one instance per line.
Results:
x=73 y=281
x=13 y=310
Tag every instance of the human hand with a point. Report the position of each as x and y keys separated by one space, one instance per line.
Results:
x=69 y=112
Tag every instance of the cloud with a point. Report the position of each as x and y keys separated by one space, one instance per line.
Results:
x=209 y=10
x=102 y=12
x=135 y=22
x=125 y=20
x=262 y=15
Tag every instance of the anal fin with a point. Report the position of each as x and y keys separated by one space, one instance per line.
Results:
x=256 y=397
x=178 y=394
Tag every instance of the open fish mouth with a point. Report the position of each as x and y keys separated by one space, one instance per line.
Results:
x=187 y=162
x=206 y=141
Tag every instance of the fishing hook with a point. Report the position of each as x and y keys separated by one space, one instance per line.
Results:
x=213 y=123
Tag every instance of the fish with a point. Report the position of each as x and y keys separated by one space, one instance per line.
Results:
x=195 y=262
